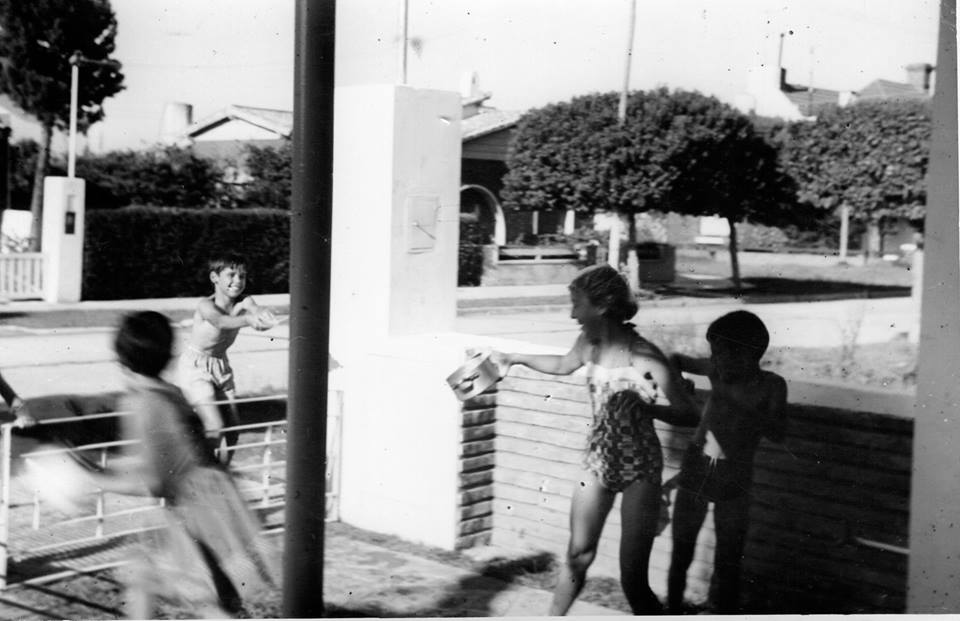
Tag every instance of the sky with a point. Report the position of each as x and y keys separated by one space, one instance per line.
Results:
x=527 y=53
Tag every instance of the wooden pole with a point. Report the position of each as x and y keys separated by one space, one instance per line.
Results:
x=310 y=224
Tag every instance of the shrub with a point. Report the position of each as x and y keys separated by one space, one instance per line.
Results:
x=470 y=255
x=159 y=252
x=270 y=170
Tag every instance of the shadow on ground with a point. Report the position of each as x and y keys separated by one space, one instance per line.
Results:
x=768 y=289
x=474 y=595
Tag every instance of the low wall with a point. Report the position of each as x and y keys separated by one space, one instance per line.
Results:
x=539 y=266
x=829 y=513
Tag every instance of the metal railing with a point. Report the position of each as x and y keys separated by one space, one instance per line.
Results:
x=21 y=275
x=31 y=532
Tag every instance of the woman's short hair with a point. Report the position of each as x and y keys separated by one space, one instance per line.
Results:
x=605 y=287
x=144 y=342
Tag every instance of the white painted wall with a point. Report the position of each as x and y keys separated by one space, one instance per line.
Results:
x=63 y=252
x=393 y=305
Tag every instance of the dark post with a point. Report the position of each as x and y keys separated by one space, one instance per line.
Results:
x=311 y=210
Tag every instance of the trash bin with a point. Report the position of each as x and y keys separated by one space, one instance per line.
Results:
x=656 y=263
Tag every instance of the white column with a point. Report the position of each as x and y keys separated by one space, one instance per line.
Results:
x=935 y=495
x=62 y=238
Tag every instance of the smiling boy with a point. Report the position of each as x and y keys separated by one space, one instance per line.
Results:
x=204 y=369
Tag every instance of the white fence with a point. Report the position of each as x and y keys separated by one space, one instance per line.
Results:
x=21 y=275
x=39 y=544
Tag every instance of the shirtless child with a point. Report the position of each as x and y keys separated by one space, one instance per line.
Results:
x=745 y=404
x=204 y=369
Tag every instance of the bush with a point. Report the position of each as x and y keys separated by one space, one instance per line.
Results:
x=470 y=256
x=271 y=172
x=169 y=177
x=160 y=252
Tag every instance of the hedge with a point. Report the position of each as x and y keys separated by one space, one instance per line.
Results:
x=162 y=252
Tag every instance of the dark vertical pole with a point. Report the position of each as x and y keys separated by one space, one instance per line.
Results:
x=311 y=206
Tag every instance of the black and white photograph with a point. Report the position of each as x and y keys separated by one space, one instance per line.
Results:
x=478 y=308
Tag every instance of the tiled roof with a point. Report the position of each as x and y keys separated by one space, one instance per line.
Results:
x=487 y=121
x=887 y=89
x=279 y=122
x=808 y=100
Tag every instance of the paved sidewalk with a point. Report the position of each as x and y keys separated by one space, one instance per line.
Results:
x=361 y=579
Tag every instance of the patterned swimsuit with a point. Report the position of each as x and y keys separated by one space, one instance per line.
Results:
x=623 y=446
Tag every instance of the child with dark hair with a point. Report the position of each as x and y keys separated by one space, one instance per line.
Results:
x=630 y=384
x=211 y=546
x=204 y=368
x=745 y=405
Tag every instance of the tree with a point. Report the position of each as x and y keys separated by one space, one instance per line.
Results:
x=676 y=151
x=726 y=168
x=37 y=41
x=576 y=155
x=164 y=177
x=870 y=156
x=271 y=172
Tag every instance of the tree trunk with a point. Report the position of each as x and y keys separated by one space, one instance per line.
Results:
x=36 y=200
x=871 y=245
x=734 y=260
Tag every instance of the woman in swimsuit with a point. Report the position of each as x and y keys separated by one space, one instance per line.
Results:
x=630 y=384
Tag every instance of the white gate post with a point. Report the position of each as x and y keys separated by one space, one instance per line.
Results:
x=62 y=240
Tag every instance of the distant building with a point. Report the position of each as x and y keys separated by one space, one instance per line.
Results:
x=225 y=135
x=769 y=94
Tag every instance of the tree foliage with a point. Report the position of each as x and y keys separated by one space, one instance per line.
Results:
x=37 y=40
x=164 y=177
x=271 y=175
x=871 y=156
x=675 y=151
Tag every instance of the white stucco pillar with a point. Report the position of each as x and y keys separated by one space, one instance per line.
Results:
x=396 y=205
x=934 y=564
x=62 y=238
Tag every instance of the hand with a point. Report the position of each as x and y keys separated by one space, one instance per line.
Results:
x=22 y=413
x=263 y=319
x=502 y=361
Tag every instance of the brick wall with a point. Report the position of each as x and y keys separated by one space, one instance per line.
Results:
x=828 y=518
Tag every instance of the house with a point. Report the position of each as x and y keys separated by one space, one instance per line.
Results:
x=225 y=135
x=769 y=94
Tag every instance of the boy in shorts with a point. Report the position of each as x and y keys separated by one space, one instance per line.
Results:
x=745 y=404
x=204 y=369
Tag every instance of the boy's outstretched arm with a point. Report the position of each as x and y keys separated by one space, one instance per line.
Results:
x=775 y=416
x=689 y=364
x=217 y=318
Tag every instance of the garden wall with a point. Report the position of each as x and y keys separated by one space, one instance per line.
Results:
x=830 y=507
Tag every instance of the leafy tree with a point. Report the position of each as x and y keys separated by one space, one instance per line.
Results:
x=726 y=168
x=676 y=151
x=870 y=156
x=37 y=41
x=163 y=177
x=271 y=172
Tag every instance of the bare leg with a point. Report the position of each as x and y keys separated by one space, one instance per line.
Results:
x=689 y=511
x=589 y=508
x=231 y=418
x=731 y=518
x=639 y=517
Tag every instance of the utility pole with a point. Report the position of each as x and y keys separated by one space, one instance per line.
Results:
x=310 y=225
x=404 y=35
x=613 y=256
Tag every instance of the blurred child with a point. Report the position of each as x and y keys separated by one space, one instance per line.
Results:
x=211 y=546
x=204 y=369
x=745 y=404
x=630 y=384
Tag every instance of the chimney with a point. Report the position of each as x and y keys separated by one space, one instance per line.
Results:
x=177 y=117
x=918 y=75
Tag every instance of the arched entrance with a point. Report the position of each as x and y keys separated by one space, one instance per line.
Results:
x=480 y=216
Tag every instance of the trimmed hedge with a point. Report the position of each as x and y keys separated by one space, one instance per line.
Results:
x=162 y=252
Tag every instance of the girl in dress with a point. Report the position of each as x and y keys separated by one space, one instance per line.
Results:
x=211 y=546
x=630 y=384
